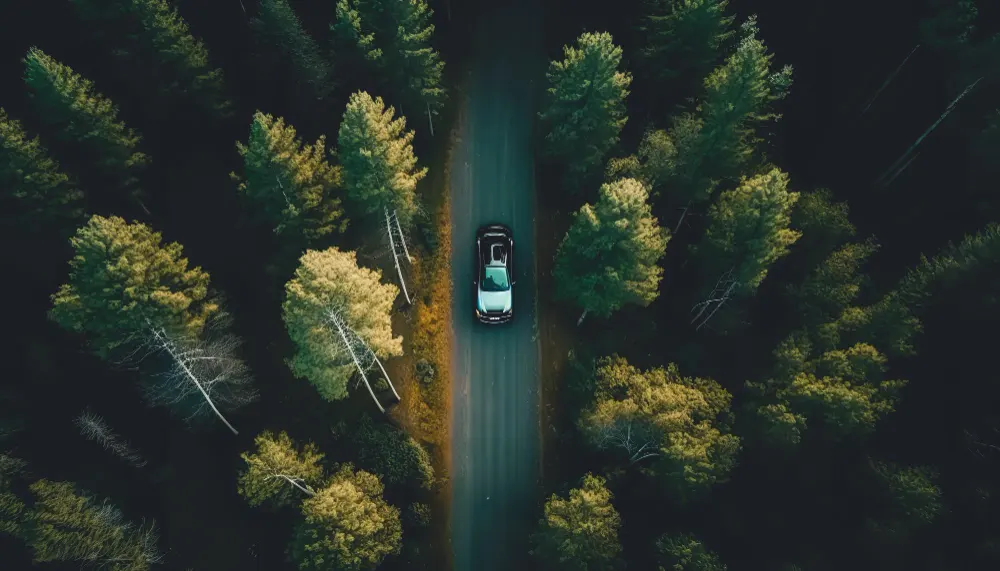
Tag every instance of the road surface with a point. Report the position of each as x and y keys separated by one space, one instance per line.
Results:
x=495 y=435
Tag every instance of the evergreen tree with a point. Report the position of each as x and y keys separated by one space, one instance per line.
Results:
x=123 y=281
x=586 y=109
x=278 y=25
x=67 y=526
x=32 y=178
x=679 y=423
x=162 y=34
x=278 y=472
x=84 y=117
x=717 y=141
x=748 y=229
x=348 y=526
x=652 y=165
x=396 y=36
x=376 y=151
x=914 y=497
x=13 y=511
x=292 y=182
x=834 y=285
x=393 y=455
x=330 y=284
x=844 y=390
x=608 y=257
x=580 y=532
x=824 y=223
x=682 y=40
x=683 y=552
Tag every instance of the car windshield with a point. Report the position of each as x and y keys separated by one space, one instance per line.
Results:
x=495 y=279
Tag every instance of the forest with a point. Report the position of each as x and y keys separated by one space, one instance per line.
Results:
x=767 y=258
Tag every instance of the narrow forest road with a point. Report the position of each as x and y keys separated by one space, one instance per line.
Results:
x=495 y=394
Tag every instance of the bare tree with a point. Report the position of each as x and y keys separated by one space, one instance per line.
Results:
x=721 y=293
x=397 y=242
x=135 y=545
x=93 y=427
x=199 y=374
x=354 y=347
x=637 y=441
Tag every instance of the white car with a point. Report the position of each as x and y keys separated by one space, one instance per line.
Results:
x=494 y=274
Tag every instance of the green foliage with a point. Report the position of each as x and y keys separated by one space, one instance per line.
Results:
x=683 y=39
x=608 y=257
x=291 y=182
x=824 y=223
x=586 y=109
x=396 y=35
x=277 y=470
x=913 y=494
x=842 y=389
x=834 y=285
x=418 y=515
x=12 y=509
x=122 y=281
x=380 y=169
x=32 y=178
x=652 y=165
x=580 y=532
x=952 y=264
x=393 y=454
x=679 y=422
x=331 y=282
x=684 y=552
x=278 y=25
x=83 y=116
x=66 y=526
x=779 y=424
x=347 y=526
x=718 y=140
x=162 y=34
x=749 y=230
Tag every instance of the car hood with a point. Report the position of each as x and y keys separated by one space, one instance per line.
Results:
x=494 y=300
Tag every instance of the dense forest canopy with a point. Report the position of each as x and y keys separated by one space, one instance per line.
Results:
x=770 y=282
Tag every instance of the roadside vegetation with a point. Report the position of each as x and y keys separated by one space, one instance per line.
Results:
x=734 y=357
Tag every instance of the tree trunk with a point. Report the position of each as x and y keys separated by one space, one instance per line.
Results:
x=347 y=345
x=166 y=344
x=582 y=315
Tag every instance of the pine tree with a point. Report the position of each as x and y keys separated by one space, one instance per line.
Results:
x=586 y=109
x=716 y=141
x=652 y=165
x=580 y=532
x=683 y=40
x=84 y=117
x=33 y=179
x=278 y=472
x=123 y=280
x=914 y=497
x=67 y=526
x=161 y=33
x=679 y=424
x=13 y=511
x=396 y=36
x=749 y=229
x=278 y=25
x=291 y=182
x=347 y=526
x=834 y=285
x=393 y=455
x=683 y=552
x=608 y=257
x=328 y=283
x=376 y=151
x=824 y=223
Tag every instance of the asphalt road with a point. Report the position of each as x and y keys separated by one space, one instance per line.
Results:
x=495 y=430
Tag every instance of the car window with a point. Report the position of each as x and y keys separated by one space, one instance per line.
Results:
x=495 y=279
